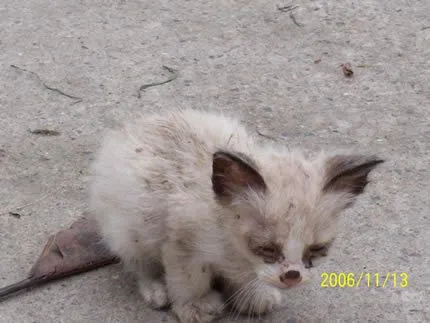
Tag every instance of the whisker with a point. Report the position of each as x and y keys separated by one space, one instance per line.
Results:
x=233 y=310
x=241 y=275
x=247 y=296
x=251 y=310
x=242 y=295
x=240 y=290
x=252 y=301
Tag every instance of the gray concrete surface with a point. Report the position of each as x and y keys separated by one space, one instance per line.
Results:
x=245 y=57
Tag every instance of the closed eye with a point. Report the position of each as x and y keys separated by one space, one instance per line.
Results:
x=267 y=250
x=316 y=248
x=270 y=253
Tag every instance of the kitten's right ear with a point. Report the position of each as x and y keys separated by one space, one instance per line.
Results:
x=231 y=175
x=348 y=173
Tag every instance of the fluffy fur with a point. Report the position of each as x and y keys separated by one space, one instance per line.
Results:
x=186 y=198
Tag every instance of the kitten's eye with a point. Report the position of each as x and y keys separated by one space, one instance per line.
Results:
x=314 y=251
x=316 y=248
x=267 y=250
x=270 y=253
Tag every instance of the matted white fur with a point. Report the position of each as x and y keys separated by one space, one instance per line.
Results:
x=153 y=198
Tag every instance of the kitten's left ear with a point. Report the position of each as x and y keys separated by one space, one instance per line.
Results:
x=348 y=173
x=232 y=174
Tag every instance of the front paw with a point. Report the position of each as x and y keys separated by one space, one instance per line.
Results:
x=154 y=293
x=203 y=310
x=263 y=301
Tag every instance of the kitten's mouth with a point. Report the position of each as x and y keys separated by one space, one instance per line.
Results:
x=286 y=284
x=292 y=282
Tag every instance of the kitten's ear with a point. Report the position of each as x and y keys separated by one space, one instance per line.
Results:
x=348 y=173
x=231 y=175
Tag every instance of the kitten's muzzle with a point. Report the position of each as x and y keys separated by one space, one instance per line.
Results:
x=292 y=274
x=285 y=275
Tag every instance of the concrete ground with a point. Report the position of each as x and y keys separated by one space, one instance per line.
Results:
x=243 y=57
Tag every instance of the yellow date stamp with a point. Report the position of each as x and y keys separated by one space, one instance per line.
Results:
x=364 y=279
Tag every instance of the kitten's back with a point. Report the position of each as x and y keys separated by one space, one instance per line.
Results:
x=180 y=144
x=144 y=161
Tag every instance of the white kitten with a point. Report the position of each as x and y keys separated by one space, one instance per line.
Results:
x=184 y=198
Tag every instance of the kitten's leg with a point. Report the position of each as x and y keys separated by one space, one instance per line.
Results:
x=258 y=300
x=152 y=286
x=189 y=286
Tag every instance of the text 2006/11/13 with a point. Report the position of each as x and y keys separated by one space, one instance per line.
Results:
x=345 y=280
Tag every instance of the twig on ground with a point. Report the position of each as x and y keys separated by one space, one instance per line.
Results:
x=287 y=8
x=265 y=135
x=45 y=132
x=290 y=9
x=293 y=18
x=78 y=99
x=174 y=76
x=15 y=215
x=20 y=208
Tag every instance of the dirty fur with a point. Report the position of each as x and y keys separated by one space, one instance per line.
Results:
x=185 y=197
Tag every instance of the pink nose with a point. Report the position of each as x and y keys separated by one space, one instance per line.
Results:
x=290 y=278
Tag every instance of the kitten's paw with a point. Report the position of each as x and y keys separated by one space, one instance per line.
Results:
x=203 y=310
x=263 y=301
x=154 y=293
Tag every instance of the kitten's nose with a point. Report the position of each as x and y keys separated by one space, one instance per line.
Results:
x=291 y=277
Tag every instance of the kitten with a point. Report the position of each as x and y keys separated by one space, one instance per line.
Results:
x=186 y=197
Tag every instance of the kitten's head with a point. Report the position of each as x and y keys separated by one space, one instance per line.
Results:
x=282 y=214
